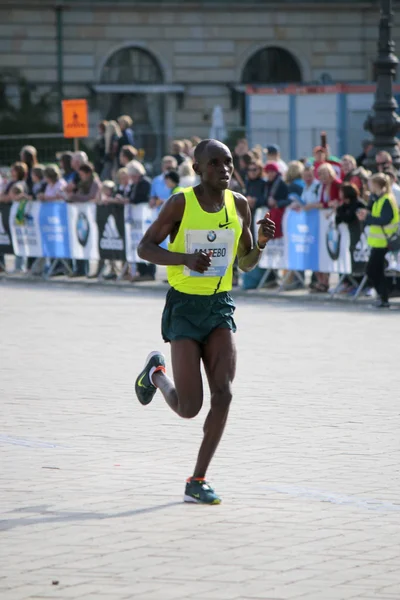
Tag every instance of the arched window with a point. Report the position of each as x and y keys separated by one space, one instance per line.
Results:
x=129 y=81
x=272 y=65
x=131 y=65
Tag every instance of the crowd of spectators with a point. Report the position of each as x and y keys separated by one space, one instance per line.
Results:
x=118 y=175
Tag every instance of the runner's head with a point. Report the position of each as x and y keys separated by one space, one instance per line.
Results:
x=213 y=163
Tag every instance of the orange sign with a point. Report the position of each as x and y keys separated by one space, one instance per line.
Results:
x=75 y=118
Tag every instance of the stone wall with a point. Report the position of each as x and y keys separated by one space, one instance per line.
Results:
x=204 y=51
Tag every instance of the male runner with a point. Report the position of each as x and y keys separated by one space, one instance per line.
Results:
x=208 y=226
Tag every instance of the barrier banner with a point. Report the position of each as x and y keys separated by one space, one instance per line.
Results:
x=334 y=245
x=110 y=223
x=359 y=248
x=83 y=231
x=6 y=245
x=53 y=222
x=25 y=228
x=301 y=234
x=273 y=257
x=138 y=218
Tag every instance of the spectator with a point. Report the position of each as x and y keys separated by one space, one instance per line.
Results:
x=295 y=181
x=276 y=195
x=350 y=173
x=244 y=162
x=88 y=187
x=367 y=146
x=28 y=155
x=310 y=193
x=66 y=166
x=78 y=159
x=383 y=161
x=346 y=212
x=111 y=140
x=255 y=185
x=395 y=186
x=126 y=154
x=127 y=136
x=100 y=147
x=106 y=192
x=187 y=148
x=274 y=155
x=330 y=186
x=124 y=188
x=55 y=185
x=141 y=185
x=160 y=192
x=383 y=218
x=188 y=177
x=350 y=202
x=38 y=181
x=18 y=192
x=18 y=173
x=241 y=148
x=172 y=180
x=177 y=148
x=320 y=157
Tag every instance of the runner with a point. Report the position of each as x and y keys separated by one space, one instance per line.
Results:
x=208 y=226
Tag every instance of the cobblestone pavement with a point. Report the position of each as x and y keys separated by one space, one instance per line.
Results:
x=91 y=482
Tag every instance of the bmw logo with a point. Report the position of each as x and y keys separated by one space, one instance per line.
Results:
x=211 y=236
x=82 y=229
x=333 y=241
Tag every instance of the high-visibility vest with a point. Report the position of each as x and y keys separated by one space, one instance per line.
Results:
x=377 y=236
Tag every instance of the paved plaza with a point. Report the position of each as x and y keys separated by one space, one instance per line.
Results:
x=91 y=482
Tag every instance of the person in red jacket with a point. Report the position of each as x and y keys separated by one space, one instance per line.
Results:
x=330 y=188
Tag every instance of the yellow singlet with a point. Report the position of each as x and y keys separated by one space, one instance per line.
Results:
x=217 y=234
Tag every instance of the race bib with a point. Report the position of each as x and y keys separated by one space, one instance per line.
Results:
x=218 y=244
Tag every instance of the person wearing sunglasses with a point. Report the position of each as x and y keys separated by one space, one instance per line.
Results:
x=383 y=161
x=255 y=185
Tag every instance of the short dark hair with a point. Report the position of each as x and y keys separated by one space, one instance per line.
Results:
x=87 y=168
x=21 y=170
x=66 y=161
x=350 y=191
x=173 y=176
x=129 y=152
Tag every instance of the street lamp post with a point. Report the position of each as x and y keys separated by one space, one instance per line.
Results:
x=383 y=121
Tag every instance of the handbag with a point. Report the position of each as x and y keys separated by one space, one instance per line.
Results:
x=393 y=242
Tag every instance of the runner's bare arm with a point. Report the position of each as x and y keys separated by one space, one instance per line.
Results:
x=167 y=223
x=249 y=253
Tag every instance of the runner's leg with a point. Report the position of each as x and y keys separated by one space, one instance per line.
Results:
x=185 y=394
x=219 y=358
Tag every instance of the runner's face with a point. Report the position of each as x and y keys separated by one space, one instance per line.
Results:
x=216 y=167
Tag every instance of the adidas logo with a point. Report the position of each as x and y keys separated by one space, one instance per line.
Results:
x=111 y=240
x=4 y=237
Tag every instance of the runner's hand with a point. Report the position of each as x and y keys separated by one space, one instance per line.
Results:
x=199 y=262
x=266 y=231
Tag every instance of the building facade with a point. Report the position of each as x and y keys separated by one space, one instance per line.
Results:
x=169 y=63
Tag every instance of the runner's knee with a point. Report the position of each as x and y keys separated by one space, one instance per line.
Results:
x=221 y=398
x=190 y=410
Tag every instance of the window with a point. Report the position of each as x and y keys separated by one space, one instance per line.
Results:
x=271 y=65
x=132 y=65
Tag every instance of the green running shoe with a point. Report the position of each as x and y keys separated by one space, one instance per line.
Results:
x=144 y=389
x=200 y=492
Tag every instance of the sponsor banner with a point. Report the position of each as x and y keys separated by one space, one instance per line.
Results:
x=138 y=218
x=6 y=246
x=110 y=223
x=53 y=222
x=83 y=231
x=25 y=229
x=301 y=234
x=359 y=248
x=273 y=257
x=334 y=245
